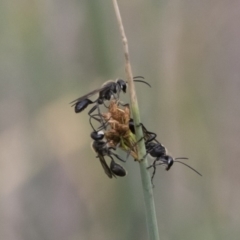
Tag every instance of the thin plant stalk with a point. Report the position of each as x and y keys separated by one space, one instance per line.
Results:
x=145 y=176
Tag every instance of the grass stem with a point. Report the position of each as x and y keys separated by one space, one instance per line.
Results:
x=145 y=176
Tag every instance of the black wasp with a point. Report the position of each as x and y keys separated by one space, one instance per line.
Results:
x=156 y=150
x=159 y=152
x=108 y=90
x=168 y=161
x=102 y=149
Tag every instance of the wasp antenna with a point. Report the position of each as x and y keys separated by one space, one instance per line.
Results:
x=189 y=167
x=136 y=80
x=181 y=158
x=138 y=77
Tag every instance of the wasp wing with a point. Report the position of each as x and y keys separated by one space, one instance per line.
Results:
x=88 y=95
x=106 y=168
x=100 y=148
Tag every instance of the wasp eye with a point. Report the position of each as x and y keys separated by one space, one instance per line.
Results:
x=124 y=88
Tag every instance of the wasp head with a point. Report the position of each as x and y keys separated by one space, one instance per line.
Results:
x=122 y=84
x=168 y=160
x=97 y=135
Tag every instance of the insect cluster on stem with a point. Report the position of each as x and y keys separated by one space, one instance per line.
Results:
x=116 y=130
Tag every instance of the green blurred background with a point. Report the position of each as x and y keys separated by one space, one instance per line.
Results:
x=51 y=52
